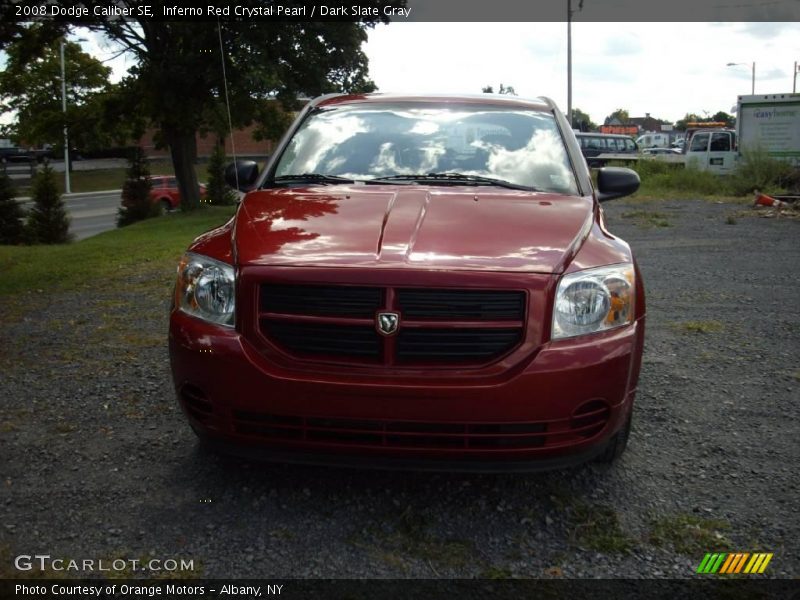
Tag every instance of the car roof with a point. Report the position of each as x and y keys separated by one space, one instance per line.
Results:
x=598 y=134
x=541 y=103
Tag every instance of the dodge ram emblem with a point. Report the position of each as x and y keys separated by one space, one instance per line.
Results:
x=387 y=322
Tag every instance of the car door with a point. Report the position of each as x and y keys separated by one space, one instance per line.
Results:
x=721 y=155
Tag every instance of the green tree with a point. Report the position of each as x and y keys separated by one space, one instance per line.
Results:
x=30 y=89
x=582 y=121
x=719 y=117
x=723 y=117
x=217 y=192
x=178 y=78
x=11 y=215
x=136 y=203
x=621 y=115
x=48 y=222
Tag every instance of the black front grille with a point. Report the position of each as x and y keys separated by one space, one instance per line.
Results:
x=323 y=339
x=455 y=345
x=436 y=325
x=482 y=305
x=321 y=300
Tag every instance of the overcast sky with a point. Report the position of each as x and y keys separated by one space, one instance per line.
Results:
x=665 y=69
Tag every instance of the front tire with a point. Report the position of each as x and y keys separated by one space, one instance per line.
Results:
x=166 y=206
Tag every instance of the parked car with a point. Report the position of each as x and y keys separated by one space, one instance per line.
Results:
x=599 y=148
x=415 y=281
x=19 y=154
x=165 y=191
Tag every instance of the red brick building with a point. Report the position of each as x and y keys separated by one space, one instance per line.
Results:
x=242 y=139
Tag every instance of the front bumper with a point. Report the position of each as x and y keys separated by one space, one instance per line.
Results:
x=561 y=407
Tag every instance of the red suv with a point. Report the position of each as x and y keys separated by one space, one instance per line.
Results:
x=420 y=282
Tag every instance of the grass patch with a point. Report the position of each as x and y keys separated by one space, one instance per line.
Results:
x=661 y=179
x=691 y=535
x=153 y=245
x=495 y=573
x=410 y=538
x=598 y=528
x=699 y=326
x=646 y=218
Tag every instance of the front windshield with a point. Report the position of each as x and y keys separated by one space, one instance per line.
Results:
x=374 y=141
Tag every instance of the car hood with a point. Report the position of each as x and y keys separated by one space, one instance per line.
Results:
x=468 y=228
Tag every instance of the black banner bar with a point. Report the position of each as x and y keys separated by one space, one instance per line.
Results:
x=397 y=589
x=89 y=11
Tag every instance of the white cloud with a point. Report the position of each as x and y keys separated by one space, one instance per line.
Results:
x=665 y=69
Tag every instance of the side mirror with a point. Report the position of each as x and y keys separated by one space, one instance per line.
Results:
x=241 y=175
x=616 y=182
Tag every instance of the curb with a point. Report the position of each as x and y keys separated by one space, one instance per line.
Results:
x=24 y=199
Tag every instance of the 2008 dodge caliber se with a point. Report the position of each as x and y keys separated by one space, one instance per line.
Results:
x=421 y=282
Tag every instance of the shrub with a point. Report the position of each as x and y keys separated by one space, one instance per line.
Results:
x=757 y=170
x=217 y=191
x=661 y=177
x=12 y=229
x=136 y=202
x=48 y=222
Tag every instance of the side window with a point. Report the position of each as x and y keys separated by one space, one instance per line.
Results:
x=596 y=143
x=171 y=182
x=699 y=143
x=582 y=141
x=720 y=142
x=630 y=145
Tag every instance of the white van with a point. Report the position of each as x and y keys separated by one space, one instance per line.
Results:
x=711 y=150
x=653 y=140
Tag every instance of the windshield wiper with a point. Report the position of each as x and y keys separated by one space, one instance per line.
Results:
x=312 y=178
x=453 y=179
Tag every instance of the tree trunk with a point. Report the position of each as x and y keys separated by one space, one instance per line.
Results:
x=182 y=147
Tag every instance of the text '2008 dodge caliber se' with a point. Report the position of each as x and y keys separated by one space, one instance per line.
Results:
x=421 y=282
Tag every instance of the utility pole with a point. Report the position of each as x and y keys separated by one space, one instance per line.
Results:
x=569 y=58
x=66 y=131
x=569 y=62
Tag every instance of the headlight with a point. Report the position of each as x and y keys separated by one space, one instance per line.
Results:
x=593 y=300
x=205 y=289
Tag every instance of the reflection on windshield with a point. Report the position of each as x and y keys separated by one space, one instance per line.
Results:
x=373 y=141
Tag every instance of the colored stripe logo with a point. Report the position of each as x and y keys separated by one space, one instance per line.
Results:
x=724 y=563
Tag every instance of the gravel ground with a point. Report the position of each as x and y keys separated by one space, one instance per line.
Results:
x=96 y=461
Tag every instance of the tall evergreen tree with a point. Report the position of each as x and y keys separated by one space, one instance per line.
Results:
x=217 y=191
x=48 y=222
x=136 y=202
x=11 y=226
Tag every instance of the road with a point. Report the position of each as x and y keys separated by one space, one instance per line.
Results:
x=90 y=213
